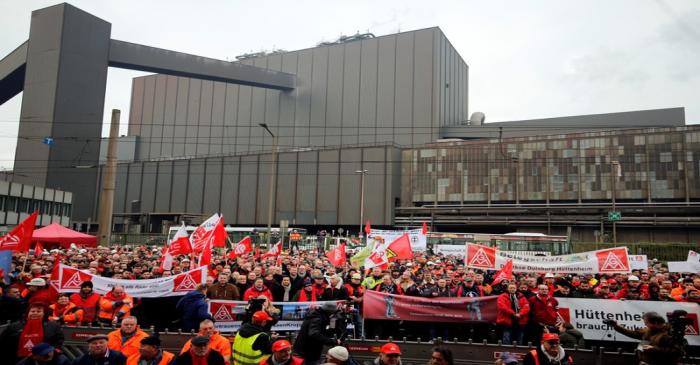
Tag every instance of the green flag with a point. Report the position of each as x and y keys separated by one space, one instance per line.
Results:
x=359 y=258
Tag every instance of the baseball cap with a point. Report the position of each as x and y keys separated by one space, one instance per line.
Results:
x=339 y=353
x=550 y=337
x=612 y=281
x=42 y=349
x=261 y=316
x=280 y=345
x=549 y=275
x=37 y=282
x=356 y=276
x=632 y=278
x=390 y=348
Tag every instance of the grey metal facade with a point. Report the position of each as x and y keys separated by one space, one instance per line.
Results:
x=18 y=201
x=398 y=88
x=313 y=187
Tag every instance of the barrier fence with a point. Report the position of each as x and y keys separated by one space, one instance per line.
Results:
x=366 y=350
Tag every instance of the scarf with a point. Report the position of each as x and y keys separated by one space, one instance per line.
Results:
x=514 y=303
x=32 y=334
x=555 y=359
x=287 y=290
x=198 y=360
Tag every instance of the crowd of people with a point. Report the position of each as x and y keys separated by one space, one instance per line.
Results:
x=526 y=305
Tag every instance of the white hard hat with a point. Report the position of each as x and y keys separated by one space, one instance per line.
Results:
x=37 y=282
x=632 y=278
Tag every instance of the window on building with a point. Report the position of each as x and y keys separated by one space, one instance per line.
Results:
x=3 y=200
x=68 y=210
x=11 y=204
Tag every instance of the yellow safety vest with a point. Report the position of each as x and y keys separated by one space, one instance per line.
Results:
x=243 y=353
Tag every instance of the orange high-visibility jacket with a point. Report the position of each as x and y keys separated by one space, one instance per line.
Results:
x=128 y=347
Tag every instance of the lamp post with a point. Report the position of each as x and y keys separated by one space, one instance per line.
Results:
x=273 y=181
x=362 y=198
x=614 y=174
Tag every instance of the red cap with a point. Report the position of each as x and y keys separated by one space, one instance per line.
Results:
x=612 y=281
x=261 y=316
x=280 y=345
x=391 y=348
x=549 y=337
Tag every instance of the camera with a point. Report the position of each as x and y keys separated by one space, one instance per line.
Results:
x=609 y=322
x=678 y=321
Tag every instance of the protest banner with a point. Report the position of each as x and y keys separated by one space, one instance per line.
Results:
x=586 y=315
x=228 y=314
x=69 y=280
x=417 y=237
x=607 y=261
x=377 y=305
x=638 y=262
x=458 y=251
x=691 y=264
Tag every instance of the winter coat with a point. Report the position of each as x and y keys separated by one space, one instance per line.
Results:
x=193 y=309
x=252 y=292
x=312 y=336
x=9 y=338
x=223 y=292
x=11 y=309
x=506 y=314
x=58 y=359
x=113 y=358
x=543 y=311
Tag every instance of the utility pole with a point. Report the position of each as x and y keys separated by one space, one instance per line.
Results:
x=362 y=199
x=104 y=217
x=614 y=174
x=273 y=181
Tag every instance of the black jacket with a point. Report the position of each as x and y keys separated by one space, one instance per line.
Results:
x=571 y=338
x=11 y=309
x=312 y=336
x=214 y=358
x=9 y=339
x=278 y=293
x=193 y=309
x=113 y=358
x=262 y=343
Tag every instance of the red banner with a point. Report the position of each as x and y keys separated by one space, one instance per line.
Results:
x=376 y=305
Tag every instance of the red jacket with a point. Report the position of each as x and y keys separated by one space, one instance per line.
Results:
x=254 y=293
x=505 y=309
x=543 y=310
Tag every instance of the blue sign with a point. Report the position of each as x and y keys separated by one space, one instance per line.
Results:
x=6 y=265
x=48 y=141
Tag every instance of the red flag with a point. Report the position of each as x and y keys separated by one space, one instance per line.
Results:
x=400 y=248
x=368 y=229
x=204 y=234
x=256 y=256
x=241 y=248
x=274 y=251
x=38 y=250
x=506 y=273
x=220 y=235
x=180 y=244
x=337 y=256
x=205 y=256
x=425 y=228
x=19 y=237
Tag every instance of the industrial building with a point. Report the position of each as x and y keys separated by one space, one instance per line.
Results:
x=394 y=105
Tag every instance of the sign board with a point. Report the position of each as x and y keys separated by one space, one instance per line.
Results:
x=614 y=216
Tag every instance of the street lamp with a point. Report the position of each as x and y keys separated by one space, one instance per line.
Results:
x=614 y=175
x=362 y=198
x=273 y=181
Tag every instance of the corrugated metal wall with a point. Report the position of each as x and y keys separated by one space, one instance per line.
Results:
x=313 y=187
x=397 y=88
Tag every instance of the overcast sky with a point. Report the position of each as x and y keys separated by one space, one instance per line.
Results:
x=527 y=59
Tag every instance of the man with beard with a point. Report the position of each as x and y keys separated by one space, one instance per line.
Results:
x=285 y=291
x=584 y=291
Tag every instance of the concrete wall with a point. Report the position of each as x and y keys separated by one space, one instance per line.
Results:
x=398 y=88
x=313 y=187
